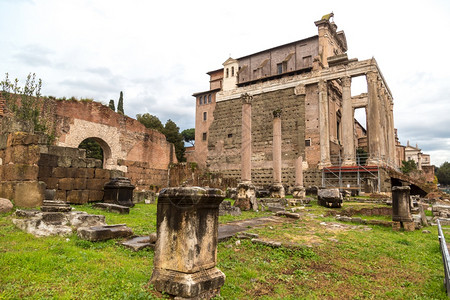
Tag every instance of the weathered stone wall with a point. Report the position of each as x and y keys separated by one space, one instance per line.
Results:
x=75 y=178
x=19 y=156
x=190 y=174
x=143 y=176
x=224 y=143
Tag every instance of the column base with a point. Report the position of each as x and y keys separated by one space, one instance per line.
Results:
x=204 y=284
x=246 y=196
x=372 y=161
x=324 y=164
x=349 y=162
x=299 y=192
x=407 y=226
x=277 y=191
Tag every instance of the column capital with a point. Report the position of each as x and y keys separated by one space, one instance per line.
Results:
x=372 y=77
x=346 y=81
x=322 y=85
x=277 y=113
x=246 y=98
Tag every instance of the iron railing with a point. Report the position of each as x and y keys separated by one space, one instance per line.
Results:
x=445 y=257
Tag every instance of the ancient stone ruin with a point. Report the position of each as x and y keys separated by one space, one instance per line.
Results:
x=186 y=249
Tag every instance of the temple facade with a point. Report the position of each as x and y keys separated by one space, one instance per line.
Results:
x=306 y=84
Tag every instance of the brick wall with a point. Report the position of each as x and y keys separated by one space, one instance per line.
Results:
x=143 y=176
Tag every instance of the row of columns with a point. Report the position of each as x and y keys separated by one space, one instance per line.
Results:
x=246 y=151
x=380 y=123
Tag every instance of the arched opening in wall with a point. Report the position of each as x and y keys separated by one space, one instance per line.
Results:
x=96 y=148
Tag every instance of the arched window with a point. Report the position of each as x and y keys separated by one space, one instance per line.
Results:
x=226 y=73
x=232 y=71
x=200 y=100
x=209 y=98
x=204 y=99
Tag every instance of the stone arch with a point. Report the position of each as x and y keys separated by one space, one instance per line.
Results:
x=107 y=153
x=107 y=136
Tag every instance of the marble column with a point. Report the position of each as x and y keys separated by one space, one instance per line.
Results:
x=348 y=123
x=277 y=189
x=419 y=161
x=391 y=134
x=246 y=144
x=373 y=119
x=299 y=190
x=324 y=127
x=246 y=198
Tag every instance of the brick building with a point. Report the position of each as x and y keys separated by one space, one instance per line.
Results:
x=309 y=81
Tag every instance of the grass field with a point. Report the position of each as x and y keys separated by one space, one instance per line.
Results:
x=333 y=260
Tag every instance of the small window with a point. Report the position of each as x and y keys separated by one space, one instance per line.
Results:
x=209 y=98
x=200 y=100
x=226 y=73
x=279 y=68
x=232 y=71
x=204 y=99
x=307 y=142
x=230 y=135
x=204 y=136
x=205 y=115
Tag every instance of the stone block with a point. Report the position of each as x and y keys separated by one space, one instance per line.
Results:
x=102 y=174
x=102 y=233
x=77 y=197
x=7 y=189
x=144 y=196
x=113 y=208
x=96 y=184
x=21 y=154
x=29 y=193
x=81 y=173
x=78 y=163
x=48 y=160
x=61 y=195
x=83 y=219
x=64 y=161
x=52 y=183
x=79 y=183
x=45 y=172
x=22 y=138
x=95 y=196
x=20 y=172
x=66 y=184
x=5 y=205
x=60 y=172
x=138 y=243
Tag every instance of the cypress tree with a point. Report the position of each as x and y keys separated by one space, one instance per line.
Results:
x=111 y=105
x=120 y=104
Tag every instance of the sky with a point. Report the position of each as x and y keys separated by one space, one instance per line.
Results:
x=158 y=52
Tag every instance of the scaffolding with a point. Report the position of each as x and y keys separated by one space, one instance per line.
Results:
x=357 y=176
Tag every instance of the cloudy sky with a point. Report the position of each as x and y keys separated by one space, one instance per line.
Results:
x=158 y=52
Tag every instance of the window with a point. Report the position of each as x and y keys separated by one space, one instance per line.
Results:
x=307 y=142
x=205 y=115
x=232 y=71
x=209 y=98
x=200 y=100
x=204 y=136
x=279 y=68
x=204 y=99
x=230 y=135
x=226 y=73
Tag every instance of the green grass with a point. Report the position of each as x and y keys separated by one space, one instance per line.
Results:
x=362 y=262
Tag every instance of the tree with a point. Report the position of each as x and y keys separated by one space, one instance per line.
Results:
x=189 y=135
x=24 y=103
x=111 y=105
x=173 y=135
x=408 y=166
x=120 y=104
x=150 y=121
x=93 y=149
x=443 y=173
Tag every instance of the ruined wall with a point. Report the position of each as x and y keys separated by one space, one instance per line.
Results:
x=76 y=179
x=224 y=143
x=126 y=138
x=143 y=176
x=19 y=156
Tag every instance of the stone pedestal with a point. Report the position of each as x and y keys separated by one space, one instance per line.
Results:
x=119 y=191
x=401 y=210
x=246 y=196
x=277 y=191
x=186 y=248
